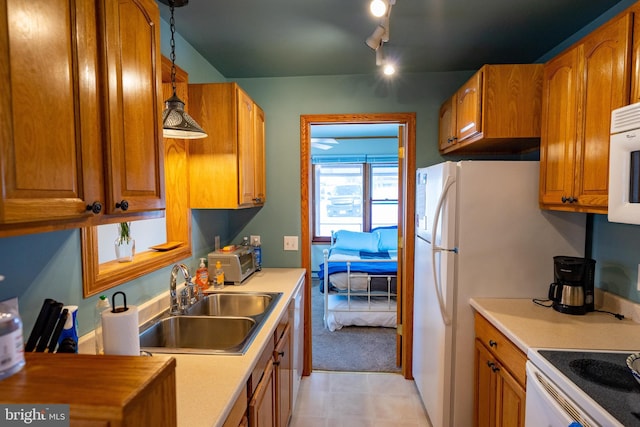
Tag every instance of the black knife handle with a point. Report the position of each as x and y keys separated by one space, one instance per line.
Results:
x=38 y=327
x=49 y=326
x=53 y=342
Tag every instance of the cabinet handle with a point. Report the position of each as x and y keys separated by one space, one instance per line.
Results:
x=276 y=363
x=492 y=343
x=564 y=199
x=490 y=364
x=569 y=199
x=281 y=353
x=95 y=207
x=257 y=200
x=124 y=205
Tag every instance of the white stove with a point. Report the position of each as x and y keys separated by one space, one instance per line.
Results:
x=581 y=388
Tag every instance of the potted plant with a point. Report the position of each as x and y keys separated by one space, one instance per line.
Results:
x=125 y=244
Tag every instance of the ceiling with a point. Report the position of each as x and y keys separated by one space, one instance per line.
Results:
x=285 y=38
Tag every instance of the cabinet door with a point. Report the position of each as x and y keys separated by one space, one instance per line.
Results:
x=50 y=135
x=510 y=400
x=284 y=378
x=447 y=124
x=134 y=152
x=260 y=178
x=485 y=388
x=246 y=152
x=559 y=126
x=261 y=407
x=469 y=108
x=606 y=71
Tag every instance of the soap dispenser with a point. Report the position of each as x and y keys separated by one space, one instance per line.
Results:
x=202 y=276
x=218 y=280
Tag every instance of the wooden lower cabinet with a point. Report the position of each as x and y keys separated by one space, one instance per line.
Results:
x=270 y=386
x=101 y=390
x=499 y=379
x=283 y=374
x=261 y=406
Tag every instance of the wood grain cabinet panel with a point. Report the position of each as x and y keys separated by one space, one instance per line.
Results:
x=499 y=395
x=80 y=119
x=496 y=111
x=227 y=168
x=447 y=124
x=134 y=146
x=580 y=88
x=124 y=391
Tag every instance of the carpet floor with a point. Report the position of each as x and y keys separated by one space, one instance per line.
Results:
x=352 y=348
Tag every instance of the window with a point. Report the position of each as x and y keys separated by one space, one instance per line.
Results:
x=356 y=196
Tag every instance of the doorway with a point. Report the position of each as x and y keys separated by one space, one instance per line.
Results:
x=406 y=172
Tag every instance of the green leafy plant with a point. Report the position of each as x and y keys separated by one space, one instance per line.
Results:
x=124 y=233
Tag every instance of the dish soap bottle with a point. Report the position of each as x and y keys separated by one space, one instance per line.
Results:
x=257 y=252
x=101 y=305
x=202 y=276
x=218 y=282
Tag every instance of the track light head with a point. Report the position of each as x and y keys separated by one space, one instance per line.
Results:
x=379 y=35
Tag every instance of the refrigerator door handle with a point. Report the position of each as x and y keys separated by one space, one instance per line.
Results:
x=435 y=248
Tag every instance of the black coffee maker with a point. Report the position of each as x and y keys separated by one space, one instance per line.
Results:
x=572 y=290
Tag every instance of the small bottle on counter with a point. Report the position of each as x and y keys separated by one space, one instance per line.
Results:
x=11 y=341
x=218 y=280
x=101 y=305
x=257 y=252
x=202 y=276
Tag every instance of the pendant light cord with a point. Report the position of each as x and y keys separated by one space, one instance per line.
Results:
x=172 y=25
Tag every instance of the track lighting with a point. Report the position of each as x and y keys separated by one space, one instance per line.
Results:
x=380 y=36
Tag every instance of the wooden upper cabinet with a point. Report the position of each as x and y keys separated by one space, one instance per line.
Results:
x=496 y=111
x=447 y=124
x=226 y=169
x=260 y=162
x=80 y=119
x=559 y=124
x=581 y=87
x=50 y=130
x=469 y=108
x=134 y=144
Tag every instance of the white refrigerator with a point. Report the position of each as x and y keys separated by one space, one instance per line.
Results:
x=479 y=233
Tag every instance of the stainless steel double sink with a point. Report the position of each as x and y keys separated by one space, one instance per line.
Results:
x=220 y=323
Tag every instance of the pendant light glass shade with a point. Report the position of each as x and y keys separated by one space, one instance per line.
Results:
x=176 y=123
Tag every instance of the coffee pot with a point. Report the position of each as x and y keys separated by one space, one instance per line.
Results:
x=572 y=289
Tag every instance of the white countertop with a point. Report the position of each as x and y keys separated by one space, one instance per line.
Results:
x=208 y=385
x=530 y=325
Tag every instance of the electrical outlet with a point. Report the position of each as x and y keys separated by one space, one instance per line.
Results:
x=252 y=240
x=290 y=243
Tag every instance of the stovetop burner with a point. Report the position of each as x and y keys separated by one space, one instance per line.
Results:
x=605 y=373
x=604 y=377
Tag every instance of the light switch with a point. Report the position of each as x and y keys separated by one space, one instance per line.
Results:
x=290 y=243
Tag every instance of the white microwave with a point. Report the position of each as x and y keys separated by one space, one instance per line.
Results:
x=624 y=165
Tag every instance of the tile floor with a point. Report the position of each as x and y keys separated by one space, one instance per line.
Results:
x=358 y=399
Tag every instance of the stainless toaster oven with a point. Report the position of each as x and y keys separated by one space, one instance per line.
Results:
x=237 y=264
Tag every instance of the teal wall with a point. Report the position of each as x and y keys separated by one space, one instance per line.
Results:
x=48 y=265
x=285 y=99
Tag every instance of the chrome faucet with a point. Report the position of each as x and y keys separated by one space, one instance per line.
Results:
x=188 y=295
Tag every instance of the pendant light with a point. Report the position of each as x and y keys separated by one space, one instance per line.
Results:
x=176 y=123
